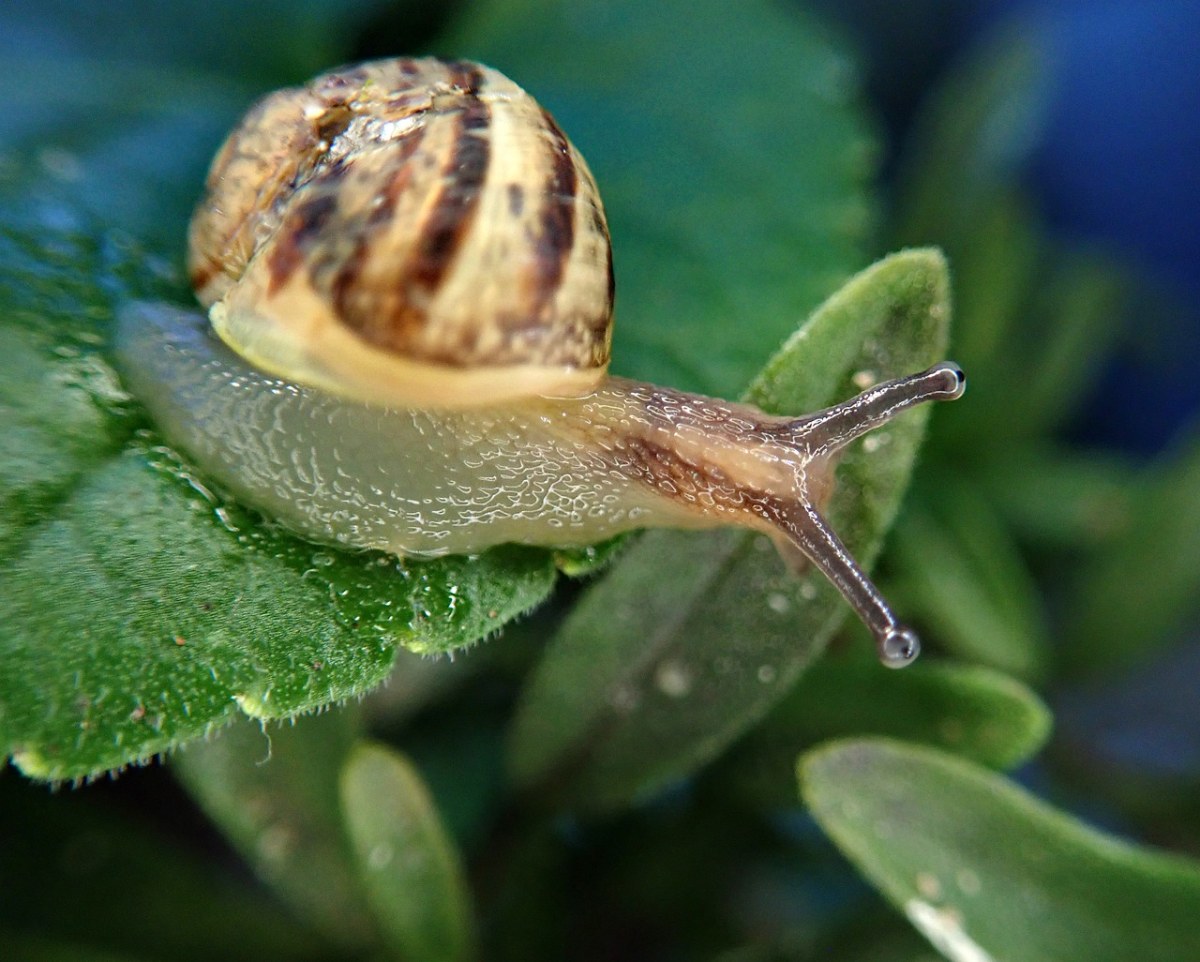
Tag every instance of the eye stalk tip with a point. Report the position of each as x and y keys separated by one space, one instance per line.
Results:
x=899 y=647
x=952 y=378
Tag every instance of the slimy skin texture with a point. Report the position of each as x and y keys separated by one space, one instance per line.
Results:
x=411 y=482
x=545 y=471
x=408 y=276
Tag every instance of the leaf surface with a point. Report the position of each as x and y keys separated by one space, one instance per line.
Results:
x=143 y=609
x=407 y=862
x=986 y=871
x=146 y=607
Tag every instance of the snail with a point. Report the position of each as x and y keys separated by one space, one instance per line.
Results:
x=408 y=271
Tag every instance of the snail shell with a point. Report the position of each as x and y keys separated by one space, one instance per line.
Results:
x=409 y=267
x=409 y=232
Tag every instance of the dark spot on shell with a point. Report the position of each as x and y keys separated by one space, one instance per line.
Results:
x=465 y=76
x=516 y=199
x=334 y=87
x=201 y=275
x=333 y=123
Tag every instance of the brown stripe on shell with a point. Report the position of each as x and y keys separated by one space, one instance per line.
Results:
x=393 y=314
x=516 y=199
x=462 y=183
x=299 y=232
x=556 y=220
x=345 y=291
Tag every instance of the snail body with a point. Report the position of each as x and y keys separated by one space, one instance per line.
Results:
x=409 y=266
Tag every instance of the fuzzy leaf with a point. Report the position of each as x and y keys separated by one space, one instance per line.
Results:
x=141 y=608
x=407 y=862
x=691 y=637
x=119 y=548
x=988 y=872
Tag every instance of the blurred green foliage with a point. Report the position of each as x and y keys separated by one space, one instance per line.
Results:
x=450 y=814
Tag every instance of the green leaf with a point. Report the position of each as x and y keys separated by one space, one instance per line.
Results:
x=1074 y=323
x=407 y=862
x=118 y=547
x=974 y=712
x=986 y=871
x=1138 y=592
x=274 y=793
x=965 y=577
x=734 y=184
x=142 y=608
x=1033 y=327
x=691 y=637
x=121 y=123
x=995 y=274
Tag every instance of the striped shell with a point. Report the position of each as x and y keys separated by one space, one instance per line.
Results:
x=407 y=232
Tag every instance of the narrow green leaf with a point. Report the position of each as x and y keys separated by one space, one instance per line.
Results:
x=1075 y=321
x=967 y=580
x=996 y=269
x=690 y=638
x=987 y=872
x=273 y=791
x=1036 y=338
x=1137 y=592
x=974 y=712
x=407 y=862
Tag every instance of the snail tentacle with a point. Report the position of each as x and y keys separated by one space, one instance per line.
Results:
x=830 y=430
x=409 y=269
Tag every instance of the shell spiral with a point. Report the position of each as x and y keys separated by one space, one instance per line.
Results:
x=410 y=232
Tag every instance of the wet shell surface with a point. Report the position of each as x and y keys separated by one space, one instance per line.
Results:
x=410 y=231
